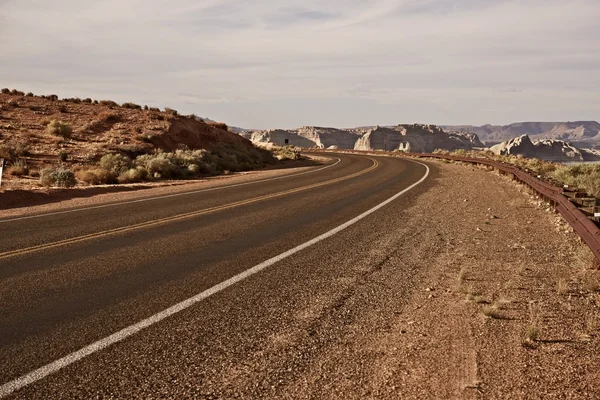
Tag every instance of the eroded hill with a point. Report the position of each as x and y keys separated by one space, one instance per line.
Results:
x=73 y=134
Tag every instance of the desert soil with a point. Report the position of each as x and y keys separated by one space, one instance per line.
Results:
x=466 y=273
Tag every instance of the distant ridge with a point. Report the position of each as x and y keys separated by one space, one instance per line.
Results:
x=582 y=132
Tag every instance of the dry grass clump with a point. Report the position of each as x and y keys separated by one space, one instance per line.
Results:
x=59 y=128
x=492 y=311
x=171 y=111
x=562 y=286
x=97 y=176
x=17 y=167
x=533 y=329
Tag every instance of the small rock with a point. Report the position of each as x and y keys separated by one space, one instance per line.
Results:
x=494 y=216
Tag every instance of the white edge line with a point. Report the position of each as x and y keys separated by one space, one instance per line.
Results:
x=103 y=343
x=168 y=195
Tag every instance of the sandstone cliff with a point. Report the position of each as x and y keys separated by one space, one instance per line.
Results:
x=410 y=138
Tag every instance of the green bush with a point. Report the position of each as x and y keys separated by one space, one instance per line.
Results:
x=115 y=163
x=59 y=128
x=63 y=177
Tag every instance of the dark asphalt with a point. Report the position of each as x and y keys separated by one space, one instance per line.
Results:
x=54 y=301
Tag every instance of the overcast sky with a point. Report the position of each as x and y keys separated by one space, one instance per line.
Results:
x=287 y=63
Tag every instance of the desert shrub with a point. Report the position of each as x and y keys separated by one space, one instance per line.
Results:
x=133 y=175
x=219 y=125
x=12 y=150
x=441 y=151
x=96 y=176
x=109 y=116
x=132 y=106
x=63 y=108
x=16 y=92
x=63 y=155
x=109 y=103
x=59 y=128
x=179 y=164
x=171 y=111
x=87 y=100
x=155 y=109
x=29 y=94
x=96 y=102
x=584 y=176
x=52 y=97
x=63 y=177
x=286 y=153
x=146 y=108
x=115 y=163
x=159 y=165
x=5 y=91
x=6 y=151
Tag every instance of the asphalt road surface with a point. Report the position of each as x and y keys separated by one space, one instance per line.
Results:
x=177 y=296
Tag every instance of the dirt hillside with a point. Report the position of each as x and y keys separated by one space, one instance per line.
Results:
x=39 y=131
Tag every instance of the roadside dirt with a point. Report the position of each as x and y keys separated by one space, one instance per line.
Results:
x=447 y=305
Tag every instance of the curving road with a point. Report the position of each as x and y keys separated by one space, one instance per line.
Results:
x=173 y=297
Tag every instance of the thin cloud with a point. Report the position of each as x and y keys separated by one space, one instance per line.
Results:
x=358 y=63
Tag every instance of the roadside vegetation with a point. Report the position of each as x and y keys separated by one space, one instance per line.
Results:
x=66 y=142
x=582 y=176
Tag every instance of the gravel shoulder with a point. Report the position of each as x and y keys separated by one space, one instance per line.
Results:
x=491 y=265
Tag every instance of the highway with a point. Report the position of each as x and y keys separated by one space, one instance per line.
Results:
x=192 y=295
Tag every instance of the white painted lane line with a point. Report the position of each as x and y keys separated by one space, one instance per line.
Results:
x=168 y=195
x=101 y=344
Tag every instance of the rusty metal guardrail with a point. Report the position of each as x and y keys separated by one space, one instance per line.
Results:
x=581 y=224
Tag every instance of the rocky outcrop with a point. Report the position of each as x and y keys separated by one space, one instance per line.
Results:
x=547 y=149
x=308 y=137
x=409 y=138
x=416 y=138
